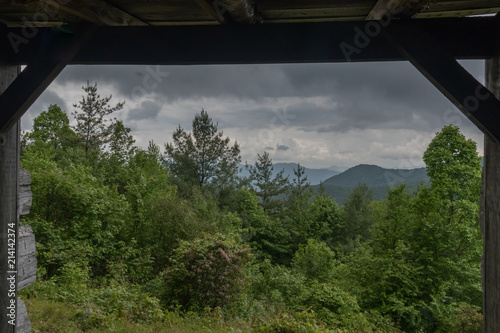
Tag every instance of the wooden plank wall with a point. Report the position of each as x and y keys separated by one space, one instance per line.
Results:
x=26 y=269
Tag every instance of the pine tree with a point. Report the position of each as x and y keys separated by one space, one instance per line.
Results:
x=269 y=187
x=92 y=125
x=204 y=157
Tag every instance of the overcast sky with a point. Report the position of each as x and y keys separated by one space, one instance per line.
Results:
x=316 y=114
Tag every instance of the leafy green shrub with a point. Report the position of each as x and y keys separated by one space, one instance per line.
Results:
x=115 y=302
x=128 y=301
x=276 y=284
x=315 y=260
x=73 y=281
x=466 y=319
x=90 y=316
x=208 y=271
x=69 y=206
x=333 y=305
x=71 y=285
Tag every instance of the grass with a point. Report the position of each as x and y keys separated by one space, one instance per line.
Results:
x=48 y=316
x=53 y=317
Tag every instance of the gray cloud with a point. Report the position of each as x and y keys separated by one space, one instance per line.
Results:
x=42 y=104
x=282 y=147
x=48 y=98
x=148 y=110
x=368 y=95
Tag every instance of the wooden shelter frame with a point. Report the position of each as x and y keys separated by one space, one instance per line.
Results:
x=431 y=45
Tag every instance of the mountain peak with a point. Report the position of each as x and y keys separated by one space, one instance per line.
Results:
x=374 y=175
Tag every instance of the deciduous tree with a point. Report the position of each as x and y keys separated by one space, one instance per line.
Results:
x=52 y=126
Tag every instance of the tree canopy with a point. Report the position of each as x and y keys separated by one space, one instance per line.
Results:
x=203 y=157
x=92 y=125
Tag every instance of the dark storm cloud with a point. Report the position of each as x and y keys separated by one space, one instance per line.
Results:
x=180 y=82
x=148 y=110
x=368 y=95
x=282 y=147
x=45 y=100
x=42 y=104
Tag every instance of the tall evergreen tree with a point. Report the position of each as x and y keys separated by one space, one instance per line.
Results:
x=357 y=215
x=92 y=125
x=300 y=188
x=203 y=157
x=269 y=187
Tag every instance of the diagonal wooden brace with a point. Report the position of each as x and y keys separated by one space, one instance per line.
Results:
x=60 y=47
x=448 y=76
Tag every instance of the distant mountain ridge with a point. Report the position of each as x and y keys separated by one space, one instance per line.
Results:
x=314 y=176
x=339 y=184
x=377 y=178
x=373 y=175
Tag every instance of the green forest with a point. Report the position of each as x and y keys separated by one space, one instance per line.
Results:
x=171 y=239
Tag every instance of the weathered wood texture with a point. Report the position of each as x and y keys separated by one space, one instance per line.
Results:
x=25 y=196
x=490 y=217
x=9 y=170
x=166 y=12
x=397 y=8
x=24 y=322
x=95 y=11
x=26 y=268
x=26 y=240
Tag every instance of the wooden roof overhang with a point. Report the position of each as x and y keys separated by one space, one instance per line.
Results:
x=47 y=35
x=204 y=12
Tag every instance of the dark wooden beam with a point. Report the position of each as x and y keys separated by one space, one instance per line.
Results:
x=466 y=38
x=446 y=74
x=25 y=90
x=9 y=173
x=490 y=214
x=60 y=48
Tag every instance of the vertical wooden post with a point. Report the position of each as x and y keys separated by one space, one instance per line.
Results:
x=9 y=170
x=490 y=215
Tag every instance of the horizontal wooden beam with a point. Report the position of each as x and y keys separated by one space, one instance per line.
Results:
x=448 y=76
x=463 y=38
